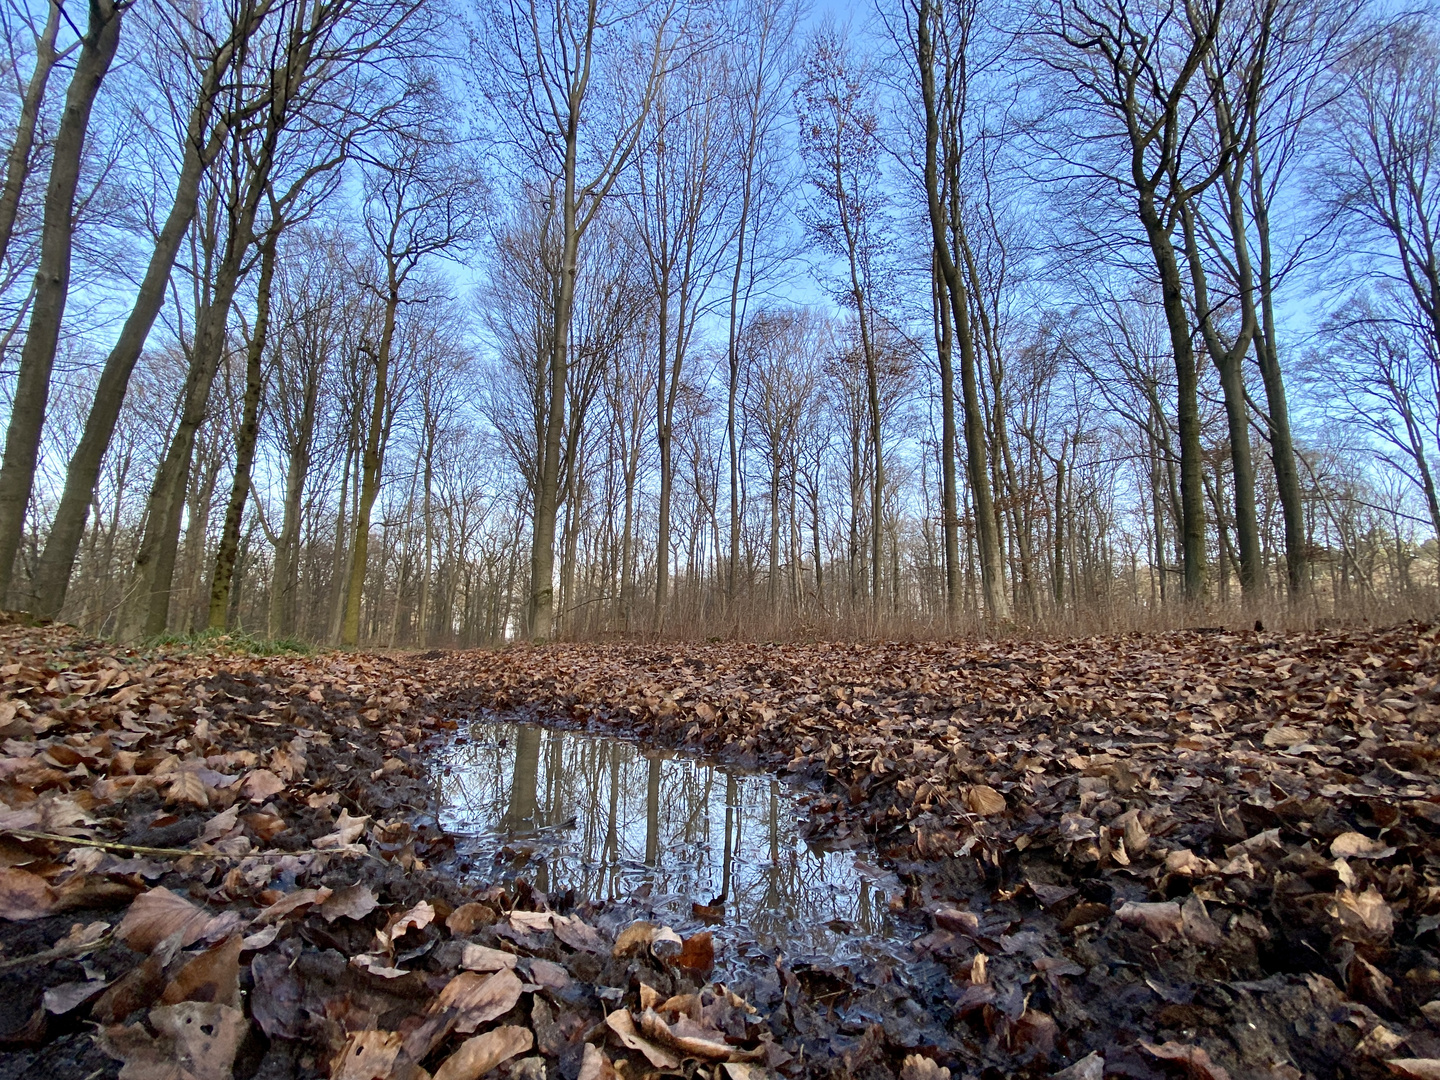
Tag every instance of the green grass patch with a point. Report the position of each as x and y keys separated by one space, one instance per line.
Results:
x=232 y=641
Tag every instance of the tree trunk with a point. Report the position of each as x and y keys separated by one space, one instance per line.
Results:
x=53 y=576
x=371 y=464
x=1282 y=447
x=1192 y=479
x=17 y=164
x=52 y=283
x=245 y=438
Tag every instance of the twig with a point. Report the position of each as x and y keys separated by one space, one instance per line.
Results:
x=175 y=853
x=108 y=845
x=59 y=952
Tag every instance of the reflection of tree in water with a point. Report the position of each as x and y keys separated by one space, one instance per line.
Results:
x=598 y=816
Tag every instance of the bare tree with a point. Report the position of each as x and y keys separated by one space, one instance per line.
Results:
x=52 y=279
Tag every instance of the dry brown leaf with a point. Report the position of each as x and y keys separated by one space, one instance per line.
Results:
x=1195 y=1059
x=1089 y=1067
x=1362 y=917
x=186 y=787
x=156 y=915
x=213 y=975
x=347 y=830
x=1354 y=845
x=465 y=919
x=1161 y=921
x=478 y=999
x=291 y=902
x=479 y=1055
x=367 y=1055
x=594 y=1065
x=1415 y=1068
x=261 y=784
x=634 y=939
x=24 y=895
x=484 y=958
x=984 y=800
x=351 y=902
x=623 y=1025
x=920 y=1067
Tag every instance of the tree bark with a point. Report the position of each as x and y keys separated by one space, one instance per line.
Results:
x=371 y=464
x=17 y=163
x=201 y=148
x=52 y=282
x=245 y=438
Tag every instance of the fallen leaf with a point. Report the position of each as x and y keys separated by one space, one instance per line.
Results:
x=1415 y=1068
x=621 y=1023
x=1354 y=845
x=1089 y=1067
x=351 y=902
x=1161 y=921
x=920 y=1067
x=213 y=975
x=186 y=787
x=479 y=1055
x=66 y=997
x=479 y=999
x=1362 y=917
x=697 y=955
x=984 y=800
x=594 y=1065
x=466 y=918
x=155 y=915
x=24 y=895
x=367 y=1055
x=291 y=902
x=634 y=939
x=1196 y=1061
x=261 y=784
x=483 y=958
x=347 y=830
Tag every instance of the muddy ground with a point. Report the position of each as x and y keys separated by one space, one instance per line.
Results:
x=1193 y=854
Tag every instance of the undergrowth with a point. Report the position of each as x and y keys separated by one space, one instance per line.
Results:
x=233 y=641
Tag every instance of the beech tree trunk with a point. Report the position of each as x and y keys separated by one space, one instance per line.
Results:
x=245 y=438
x=52 y=282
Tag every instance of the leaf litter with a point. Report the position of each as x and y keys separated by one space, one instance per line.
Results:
x=1198 y=854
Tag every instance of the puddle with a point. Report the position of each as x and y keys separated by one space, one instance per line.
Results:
x=573 y=810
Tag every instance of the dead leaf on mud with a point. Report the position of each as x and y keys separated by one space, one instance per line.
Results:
x=1162 y=921
x=351 y=902
x=1415 y=1068
x=156 y=915
x=920 y=1067
x=479 y=1055
x=24 y=895
x=367 y=1055
x=1354 y=845
x=623 y=1025
x=1089 y=1067
x=196 y=1040
x=984 y=800
x=478 y=999
x=1198 y=1065
x=483 y=958
x=1362 y=917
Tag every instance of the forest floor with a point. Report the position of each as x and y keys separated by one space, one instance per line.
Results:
x=1198 y=854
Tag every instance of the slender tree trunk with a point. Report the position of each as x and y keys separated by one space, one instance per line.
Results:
x=1282 y=447
x=17 y=163
x=950 y=515
x=371 y=464
x=83 y=472
x=245 y=438
x=1192 y=464
x=52 y=283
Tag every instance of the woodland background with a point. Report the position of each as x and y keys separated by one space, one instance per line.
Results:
x=443 y=322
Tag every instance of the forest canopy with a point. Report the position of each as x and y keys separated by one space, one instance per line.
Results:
x=453 y=322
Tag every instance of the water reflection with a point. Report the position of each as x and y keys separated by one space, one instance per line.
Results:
x=573 y=810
